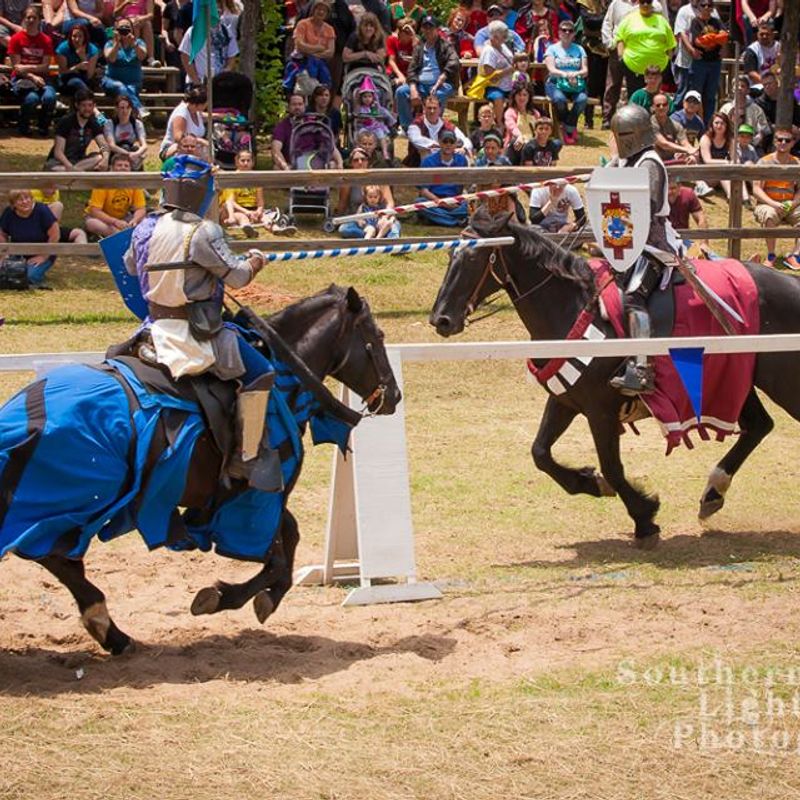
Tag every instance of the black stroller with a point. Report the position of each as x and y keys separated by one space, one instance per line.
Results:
x=232 y=129
x=312 y=147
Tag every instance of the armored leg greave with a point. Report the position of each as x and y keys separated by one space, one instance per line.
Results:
x=254 y=460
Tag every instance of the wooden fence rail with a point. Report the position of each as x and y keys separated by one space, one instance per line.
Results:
x=736 y=173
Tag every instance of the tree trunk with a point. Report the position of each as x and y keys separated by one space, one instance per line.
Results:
x=248 y=42
x=791 y=26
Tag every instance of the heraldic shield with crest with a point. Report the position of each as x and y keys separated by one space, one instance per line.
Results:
x=618 y=204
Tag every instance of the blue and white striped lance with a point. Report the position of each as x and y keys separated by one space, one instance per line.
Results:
x=386 y=249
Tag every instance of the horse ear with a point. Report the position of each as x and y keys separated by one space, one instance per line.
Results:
x=354 y=301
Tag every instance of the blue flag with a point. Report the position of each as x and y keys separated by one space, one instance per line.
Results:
x=688 y=362
x=202 y=12
x=114 y=248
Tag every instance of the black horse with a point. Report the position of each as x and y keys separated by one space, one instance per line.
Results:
x=549 y=287
x=331 y=333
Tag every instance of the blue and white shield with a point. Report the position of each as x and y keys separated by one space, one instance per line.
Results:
x=114 y=248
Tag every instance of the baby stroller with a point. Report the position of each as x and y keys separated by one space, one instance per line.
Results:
x=232 y=130
x=350 y=89
x=311 y=147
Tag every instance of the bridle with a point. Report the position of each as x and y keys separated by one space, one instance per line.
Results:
x=383 y=380
x=506 y=281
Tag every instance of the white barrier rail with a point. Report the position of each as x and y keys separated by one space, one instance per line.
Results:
x=492 y=351
x=370 y=535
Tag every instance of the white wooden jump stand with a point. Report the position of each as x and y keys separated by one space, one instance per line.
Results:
x=370 y=537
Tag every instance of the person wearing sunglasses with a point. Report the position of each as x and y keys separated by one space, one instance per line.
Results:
x=778 y=201
x=352 y=197
x=567 y=66
x=708 y=37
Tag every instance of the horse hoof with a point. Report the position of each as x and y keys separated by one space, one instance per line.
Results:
x=206 y=601
x=605 y=488
x=128 y=649
x=263 y=605
x=647 y=542
x=710 y=507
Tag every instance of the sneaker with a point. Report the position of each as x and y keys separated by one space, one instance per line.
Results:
x=770 y=260
x=153 y=62
x=144 y=113
x=702 y=189
x=793 y=261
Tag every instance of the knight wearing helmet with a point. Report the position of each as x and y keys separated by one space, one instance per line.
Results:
x=633 y=135
x=184 y=331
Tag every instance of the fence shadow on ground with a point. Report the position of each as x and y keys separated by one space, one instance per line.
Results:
x=712 y=548
x=250 y=656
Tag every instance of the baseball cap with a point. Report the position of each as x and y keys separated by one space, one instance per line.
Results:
x=494 y=10
x=748 y=129
x=446 y=133
x=693 y=95
x=430 y=21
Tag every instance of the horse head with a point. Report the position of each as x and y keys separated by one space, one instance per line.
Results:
x=359 y=359
x=470 y=276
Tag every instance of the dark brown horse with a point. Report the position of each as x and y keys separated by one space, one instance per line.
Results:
x=331 y=333
x=549 y=287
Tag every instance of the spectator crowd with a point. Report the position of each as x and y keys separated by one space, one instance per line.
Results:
x=372 y=83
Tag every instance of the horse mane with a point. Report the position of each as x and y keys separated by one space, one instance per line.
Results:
x=299 y=311
x=548 y=254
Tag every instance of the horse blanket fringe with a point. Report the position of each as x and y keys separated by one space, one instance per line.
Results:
x=74 y=450
x=727 y=378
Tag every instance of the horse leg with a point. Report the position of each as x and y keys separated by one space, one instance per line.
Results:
x=556 y=419
x=266 y=588
x=642 y=508
x=91 y=603
x=755 y=423
x=267 y=601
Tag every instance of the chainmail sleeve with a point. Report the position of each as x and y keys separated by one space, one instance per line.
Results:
x=209 y=249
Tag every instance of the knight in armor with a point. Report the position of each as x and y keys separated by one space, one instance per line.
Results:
x=633 y=134
x=184 y=331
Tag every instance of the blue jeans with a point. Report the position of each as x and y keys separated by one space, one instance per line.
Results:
x=682 y=85
x=447 y=217
x=37 y=272
x=30 y=100
x=113 y=88
x=704 y=77
x=568 y=117
x=73 y=84
x=403 y=97
x=352 y=230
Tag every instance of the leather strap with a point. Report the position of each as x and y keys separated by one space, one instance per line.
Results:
x=157 y=311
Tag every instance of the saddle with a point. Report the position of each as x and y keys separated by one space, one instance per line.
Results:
x=215 y=398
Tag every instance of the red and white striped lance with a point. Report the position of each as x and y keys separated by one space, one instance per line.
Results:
x=451 y=202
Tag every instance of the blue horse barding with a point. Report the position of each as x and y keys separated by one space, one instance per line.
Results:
x=98 y=451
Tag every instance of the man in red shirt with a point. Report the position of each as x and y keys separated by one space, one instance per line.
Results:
x=683 y=204
x=30 y=52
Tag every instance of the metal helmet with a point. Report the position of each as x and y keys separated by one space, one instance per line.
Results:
x=188 y=184
x=632 y=130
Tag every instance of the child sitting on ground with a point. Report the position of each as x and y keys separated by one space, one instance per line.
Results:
x=244 y=206
x=378 y=226
x=492 y=156
x=486 y=124
x=112 y=210
x=372 y=116
x=542 y=150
